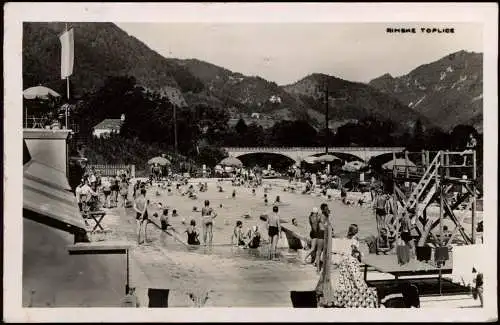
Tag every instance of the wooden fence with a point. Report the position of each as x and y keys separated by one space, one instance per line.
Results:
x=111 y=170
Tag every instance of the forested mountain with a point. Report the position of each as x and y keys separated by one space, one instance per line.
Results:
x=443 y=93
x=101 y=50
x=448 y=91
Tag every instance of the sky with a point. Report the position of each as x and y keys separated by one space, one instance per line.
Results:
x=287 y=52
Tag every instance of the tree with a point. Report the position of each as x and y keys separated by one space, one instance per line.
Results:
x=241 y=127
x=210 y=155
x=460 y=134
x=212 y=123
x=254 y=135
x=436 y=139
x=417 y=141
x=293 y=133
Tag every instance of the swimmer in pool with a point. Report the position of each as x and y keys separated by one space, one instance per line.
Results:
x=192 y=234
x=237 y=238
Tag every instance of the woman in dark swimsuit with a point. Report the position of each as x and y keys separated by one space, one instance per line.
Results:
x=115 y=188
x=192 y=234
x=313 y=222
x=320 y=235
x=207 y=216
x=274 y=231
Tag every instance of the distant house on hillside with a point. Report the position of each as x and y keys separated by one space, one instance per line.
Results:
x=108 y=126
x=275 y=99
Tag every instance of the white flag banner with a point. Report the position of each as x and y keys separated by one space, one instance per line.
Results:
x=67 y=53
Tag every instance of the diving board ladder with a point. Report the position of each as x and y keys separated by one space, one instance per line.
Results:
x=421 y=195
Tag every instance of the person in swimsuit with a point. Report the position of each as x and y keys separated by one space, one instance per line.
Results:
x=78 y=192
x=313 y=222
x=405 y=233
x=381 y=207
x=343 y=194
x=320 y=236
x=254 y=241
x=86 y=196
x=383 y=245
x=237 y=238
x=124 y=191
x=274 y=231
x=115 y=188
x=164 y=220
x=141 y=209
x=192 y=234
x=207 y=216
x=106 y=189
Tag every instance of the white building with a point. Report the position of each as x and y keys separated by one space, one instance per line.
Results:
x=108 y=126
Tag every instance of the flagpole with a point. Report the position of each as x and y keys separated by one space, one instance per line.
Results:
x=67 y=87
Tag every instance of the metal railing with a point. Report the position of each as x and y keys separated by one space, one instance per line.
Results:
x=314 y=149
x=112 y=170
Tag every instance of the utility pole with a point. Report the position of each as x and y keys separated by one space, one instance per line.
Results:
x=175 y=128
x=327 y=128
x=324 y=89
x=327 y=109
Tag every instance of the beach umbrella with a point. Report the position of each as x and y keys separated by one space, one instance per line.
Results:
x=39 y=92
x=159 y=160
x=231 y=162
x=400 y=163
x=327 y=158
x=353 y=166
x=310 y=159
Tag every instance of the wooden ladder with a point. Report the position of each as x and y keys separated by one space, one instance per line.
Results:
x=422 y=193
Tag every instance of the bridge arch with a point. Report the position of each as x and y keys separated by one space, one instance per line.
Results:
x=299 y=153
x=343 y=155
x=278 y=161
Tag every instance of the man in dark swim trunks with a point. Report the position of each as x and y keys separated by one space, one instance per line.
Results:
x=274 y=231
x=141 y=209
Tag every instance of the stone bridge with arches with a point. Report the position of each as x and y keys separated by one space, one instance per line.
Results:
x=299 y=153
